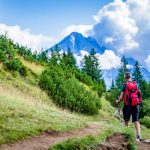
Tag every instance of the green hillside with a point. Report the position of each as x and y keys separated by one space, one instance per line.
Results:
x=38 y=95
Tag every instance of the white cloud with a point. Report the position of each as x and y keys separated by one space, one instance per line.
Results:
x=83 y=29
x=26 y=38
x=114 y=21
x=147 y=61
x=124 y=27
x=109 y=40
x=79 y=57
x=108 y=60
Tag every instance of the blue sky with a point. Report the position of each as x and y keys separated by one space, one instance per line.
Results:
x=49 y=17
x=123 y=26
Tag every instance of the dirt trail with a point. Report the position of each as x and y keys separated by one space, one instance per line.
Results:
x=44 y=141
x=143 y=146
x=114 y=142
x=119 y=142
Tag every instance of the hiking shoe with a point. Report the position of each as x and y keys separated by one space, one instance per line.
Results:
x=138 y=139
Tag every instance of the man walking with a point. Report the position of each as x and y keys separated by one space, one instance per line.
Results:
x=132 y=98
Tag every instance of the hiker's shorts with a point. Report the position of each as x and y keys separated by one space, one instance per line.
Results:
x=128 y=111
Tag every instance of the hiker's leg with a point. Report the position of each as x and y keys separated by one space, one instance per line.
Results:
x=137 y=128
x=126 y=115
x=135 y=120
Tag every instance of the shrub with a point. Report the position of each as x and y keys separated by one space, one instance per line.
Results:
x=67 y=91
x=23 y=71
x=16 y=65
x=2 y=56
x=98 y=86
x=146 y=121
x=13 y=65
x=145 y=108
x=111 y=96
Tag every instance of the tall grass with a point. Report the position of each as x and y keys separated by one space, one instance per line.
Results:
x=36 y=68
x=21 y=117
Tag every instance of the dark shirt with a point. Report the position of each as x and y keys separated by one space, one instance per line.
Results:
x=123 y=88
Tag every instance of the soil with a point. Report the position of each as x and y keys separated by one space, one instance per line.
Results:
x=49 y=138
x=119 y=142
x=114 y=142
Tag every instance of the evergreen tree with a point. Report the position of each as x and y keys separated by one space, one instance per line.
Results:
x=137 y=74
x=112 y=85
x=68 y=59
x=7 y=50
x=120 y=78
x=42 y=57
x=55 y=56
x=124 y=64
x=91 y=66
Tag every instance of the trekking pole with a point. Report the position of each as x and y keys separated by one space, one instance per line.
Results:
x=119 y=113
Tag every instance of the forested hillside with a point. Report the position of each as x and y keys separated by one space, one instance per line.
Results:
x=51 y=94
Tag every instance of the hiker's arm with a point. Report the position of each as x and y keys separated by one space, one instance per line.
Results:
x=120 y=98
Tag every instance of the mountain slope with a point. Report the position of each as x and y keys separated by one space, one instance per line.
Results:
x=77 y=42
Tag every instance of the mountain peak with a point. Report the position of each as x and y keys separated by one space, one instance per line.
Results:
x=75 y=33
x=77 y=42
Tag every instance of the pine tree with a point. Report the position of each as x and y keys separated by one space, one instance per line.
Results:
x=55 y=56
x=68 y=59
x=137 y=74
x=42 y=57
x=112 y=85
x=7 y=50
x=122 y=70
x=91 y=66
x=124 y=64
x=71 y=59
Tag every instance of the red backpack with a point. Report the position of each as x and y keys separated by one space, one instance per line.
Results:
x=132 y=95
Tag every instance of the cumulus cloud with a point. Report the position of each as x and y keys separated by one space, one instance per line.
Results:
x=109 y=60
x=147 y=61
x=79 y=57
x=114 y=21
x=83 y=29
x=26 y=38
x=123 y=26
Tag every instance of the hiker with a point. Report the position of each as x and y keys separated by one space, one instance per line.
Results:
x=132 y=98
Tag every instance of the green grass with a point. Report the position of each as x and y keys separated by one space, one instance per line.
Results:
x=90 y=142
x=110 y=126
x=36 y=68
x=21 y=117
x=26 y=110
x=83 y=143
x=146 y=121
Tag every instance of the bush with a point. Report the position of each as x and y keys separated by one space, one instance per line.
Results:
x=86 y=79
x=16 y=65
x=2 y=56
x=23 y=71
x=111 y=96
x=146 y=121
x=145 y=108
x=67 y=91
x=13 y=65
x=83 y=77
